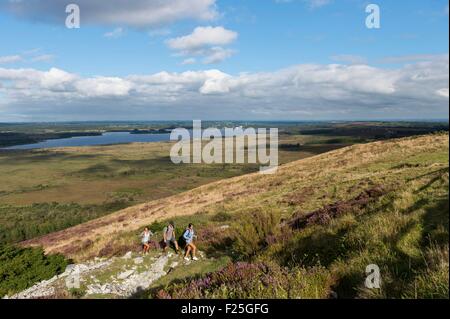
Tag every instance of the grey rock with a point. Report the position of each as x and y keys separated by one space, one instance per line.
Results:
x=128 y=255
x=125 y=274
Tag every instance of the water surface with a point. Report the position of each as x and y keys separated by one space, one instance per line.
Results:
x=104 y=139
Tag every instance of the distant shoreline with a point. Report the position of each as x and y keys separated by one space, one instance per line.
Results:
x=22 y=134
x=57 y=140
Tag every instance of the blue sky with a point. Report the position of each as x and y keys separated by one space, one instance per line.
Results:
x=253 y=46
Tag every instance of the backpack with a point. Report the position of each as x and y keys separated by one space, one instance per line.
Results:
x=182 y=240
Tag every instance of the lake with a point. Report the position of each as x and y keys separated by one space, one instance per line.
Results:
x=104 y=139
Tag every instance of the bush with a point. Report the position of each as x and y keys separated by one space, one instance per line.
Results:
x=21 y=268
x=253 y=281
x=254 y=232
x=222 y=217
x=77 y=293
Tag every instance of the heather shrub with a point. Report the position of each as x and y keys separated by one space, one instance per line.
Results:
x=214 y=240
x=243 y=280
x=254 y=232
x=222 y=217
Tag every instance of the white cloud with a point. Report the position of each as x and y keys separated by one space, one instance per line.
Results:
x=201 y=37
x=217 y=55
x=103 y=87
x=114 y=34
x=302 y=91
x=207 y=42
x=189 y=61
x=10 y=59
x=443 y=92
x=32 y=51
x=55 y=79
x=216 y=83
x=134 y=13
x=43 y=58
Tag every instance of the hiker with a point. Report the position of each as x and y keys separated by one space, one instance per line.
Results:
x=188 y=236
x=146 y=234
x=170 y=237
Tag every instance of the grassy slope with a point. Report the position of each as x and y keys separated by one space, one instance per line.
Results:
x=405 y=232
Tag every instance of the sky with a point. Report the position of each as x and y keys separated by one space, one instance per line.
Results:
x=223 y=60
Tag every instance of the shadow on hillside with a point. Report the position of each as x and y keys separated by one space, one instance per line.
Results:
x=317 y=248
x=435 y=179
x=402 y=268
x=436 y=224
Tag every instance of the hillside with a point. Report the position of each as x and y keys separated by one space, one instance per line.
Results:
x=48 y=190
x=325 y=218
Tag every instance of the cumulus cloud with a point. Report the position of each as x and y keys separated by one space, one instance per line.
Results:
x=201 y=37
x=134 y=13
x=207 y=42
x=30 y=83
x=103 y=87
x=310 y=91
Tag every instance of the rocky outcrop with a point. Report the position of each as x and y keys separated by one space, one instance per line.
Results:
x=71 y=277
x=114 y=277
x=131 y=281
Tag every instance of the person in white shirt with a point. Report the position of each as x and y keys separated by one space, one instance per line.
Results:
x=146 y=234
